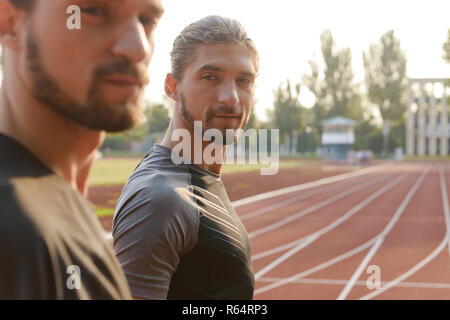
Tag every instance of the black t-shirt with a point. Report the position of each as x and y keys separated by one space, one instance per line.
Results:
x=51 y=243
x=177 y=236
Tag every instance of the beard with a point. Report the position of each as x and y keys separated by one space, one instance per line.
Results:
x=227 y=136
x=94 y=113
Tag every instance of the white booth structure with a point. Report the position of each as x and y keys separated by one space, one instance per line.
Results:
x=338 y=137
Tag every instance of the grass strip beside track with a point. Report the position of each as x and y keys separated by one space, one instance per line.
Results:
x=103 y=212
x=115 y=171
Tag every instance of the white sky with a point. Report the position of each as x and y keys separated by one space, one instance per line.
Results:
x=287 y=35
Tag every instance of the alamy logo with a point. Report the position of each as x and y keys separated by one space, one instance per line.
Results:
x=74 y=20
x=374 y=281
x=213 y=153
x=74 y=280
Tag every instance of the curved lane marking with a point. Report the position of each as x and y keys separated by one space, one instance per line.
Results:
x=313 y=237
x=382 y=236
x=312 y=184
x=432 y=255
x=311 y=209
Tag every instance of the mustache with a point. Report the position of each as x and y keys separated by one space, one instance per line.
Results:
x=122 y=67
x=224 y=110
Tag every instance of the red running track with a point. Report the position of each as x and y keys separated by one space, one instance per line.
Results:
x=384 y=234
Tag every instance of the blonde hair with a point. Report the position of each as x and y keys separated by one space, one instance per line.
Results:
x=208 y=30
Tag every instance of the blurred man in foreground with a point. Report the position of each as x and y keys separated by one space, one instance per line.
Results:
x=175 y=232
x=62 y=89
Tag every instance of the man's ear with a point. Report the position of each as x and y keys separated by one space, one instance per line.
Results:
x=9 y=21
x=171 y=87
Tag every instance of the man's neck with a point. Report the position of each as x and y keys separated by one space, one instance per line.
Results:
x=196 y=152
x=65 y=147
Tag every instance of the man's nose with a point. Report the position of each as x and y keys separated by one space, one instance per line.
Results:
x=228 y=94
x=133 y=43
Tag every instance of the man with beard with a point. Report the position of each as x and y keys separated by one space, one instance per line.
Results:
x=62 y=89
x=175 y=232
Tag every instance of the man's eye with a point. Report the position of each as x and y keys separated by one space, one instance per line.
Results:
x=244 y=81
x=209 y=77
x=95 y=11
x=147 y=22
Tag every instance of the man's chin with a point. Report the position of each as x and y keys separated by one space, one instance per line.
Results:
x=108 y=126
x=110 y=117
x=229 y=136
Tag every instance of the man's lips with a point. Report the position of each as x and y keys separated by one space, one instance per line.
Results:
x=123 y=80
x=231 y=116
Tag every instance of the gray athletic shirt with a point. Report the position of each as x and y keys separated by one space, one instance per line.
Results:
x=177 y=236
x=50 y=238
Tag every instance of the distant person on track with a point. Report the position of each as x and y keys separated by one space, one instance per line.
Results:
x=62 y=89
x=175 y=232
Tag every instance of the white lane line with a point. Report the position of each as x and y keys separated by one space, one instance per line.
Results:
x=284 y=246
x=291 y=200
x=311 y=209
x=319 y=267
x=432 y=255
x=108 y=236
x=337 y=282
x=382 y=236
x=444 y=195
x=277 y=249
x=313 y=237
x=351 y=283
x=312 y=184
x=285 y=256
x=303 y=186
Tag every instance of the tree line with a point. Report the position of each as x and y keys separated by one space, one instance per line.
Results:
x=337 y=94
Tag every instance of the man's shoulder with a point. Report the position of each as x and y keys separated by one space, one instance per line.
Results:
x=18 y=161
x=17 y=230
x=31 y=238
x=167 y=186
x=158 y=207
x=158 y=195
x=24 y=254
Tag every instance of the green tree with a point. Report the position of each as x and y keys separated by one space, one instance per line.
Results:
x=446 y=48
x=287 y=113
x=137 y=134
x=253 y=122
x=364 y=132
x=386 y=82
x=309 y=138
x=157 y=122
x=158 y=118
x=335 y=92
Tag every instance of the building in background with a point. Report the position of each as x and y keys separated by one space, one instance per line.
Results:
x=338 y=138
x=427 y=124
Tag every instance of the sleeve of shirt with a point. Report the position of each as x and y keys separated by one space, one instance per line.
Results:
x=25 y=268
x=151 y=231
